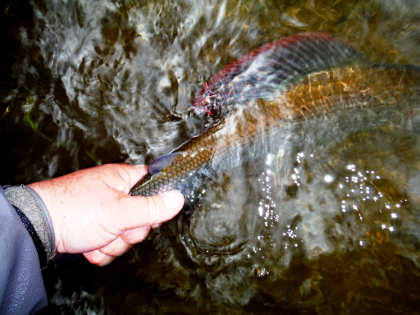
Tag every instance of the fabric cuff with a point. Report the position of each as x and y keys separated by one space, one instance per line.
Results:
x=28 y=201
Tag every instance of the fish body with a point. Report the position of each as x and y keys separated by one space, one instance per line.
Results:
x=290 y=80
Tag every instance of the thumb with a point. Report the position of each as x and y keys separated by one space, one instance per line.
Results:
x=136 y=211
x=131 y=174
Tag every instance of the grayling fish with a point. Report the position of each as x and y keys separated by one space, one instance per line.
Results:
x=292 y=79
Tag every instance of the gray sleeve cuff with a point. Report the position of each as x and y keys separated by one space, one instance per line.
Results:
x=29 y=202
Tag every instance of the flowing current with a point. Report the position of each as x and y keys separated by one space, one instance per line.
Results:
x=326 y=221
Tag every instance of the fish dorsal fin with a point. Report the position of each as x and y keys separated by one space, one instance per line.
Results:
x=265 y=70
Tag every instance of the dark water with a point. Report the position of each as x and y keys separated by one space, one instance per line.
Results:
x=326 y=223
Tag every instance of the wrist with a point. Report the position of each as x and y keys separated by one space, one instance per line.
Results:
x=31 y=205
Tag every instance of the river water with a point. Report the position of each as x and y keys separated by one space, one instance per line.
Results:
x=327 y=223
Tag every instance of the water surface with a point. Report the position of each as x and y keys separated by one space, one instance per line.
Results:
x=326 y=222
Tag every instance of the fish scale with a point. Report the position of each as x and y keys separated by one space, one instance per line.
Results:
x=344 y=81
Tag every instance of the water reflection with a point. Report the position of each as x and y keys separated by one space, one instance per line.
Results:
x=327 y=223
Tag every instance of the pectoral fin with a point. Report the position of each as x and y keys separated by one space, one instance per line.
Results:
x=161 y=162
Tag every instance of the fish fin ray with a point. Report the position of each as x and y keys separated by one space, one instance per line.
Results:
x=290 y=58
x=161 y=162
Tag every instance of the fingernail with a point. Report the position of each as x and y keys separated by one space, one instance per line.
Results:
x=174 y=200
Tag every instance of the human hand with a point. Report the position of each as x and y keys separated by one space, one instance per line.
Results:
x=92 y=213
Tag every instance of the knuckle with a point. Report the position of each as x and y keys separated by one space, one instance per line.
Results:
x=97 y=258
x=94 y=257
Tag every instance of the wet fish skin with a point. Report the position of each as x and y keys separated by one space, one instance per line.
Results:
x=355 y=84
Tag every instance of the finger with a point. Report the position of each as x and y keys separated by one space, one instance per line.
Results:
x=139 y=211
x=97 y=258
x=137 y=235
x=131 y=174
x=116 y=248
